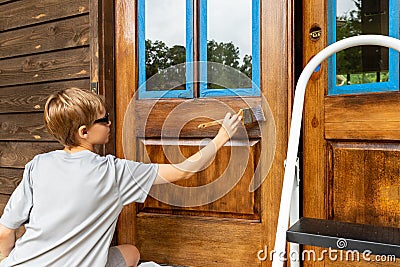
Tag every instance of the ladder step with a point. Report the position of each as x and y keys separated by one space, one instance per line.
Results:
x=345 y=236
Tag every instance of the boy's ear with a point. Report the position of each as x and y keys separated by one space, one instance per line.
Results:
x=82 y=131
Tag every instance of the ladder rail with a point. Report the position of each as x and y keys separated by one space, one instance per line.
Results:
x=294 y=215
x=295 y=127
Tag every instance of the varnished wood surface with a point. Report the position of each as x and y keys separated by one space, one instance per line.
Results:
x=276 y=86
x=350 y=149
x=366 y=117
x=314 y=181
x=237 y=203
x=163 y=117
x=125 y=86
x=365 y=178
x=51 y=36
x=364 y=188
x=66 y=64
x=17 y=154
x=32 y=97
x=30 y=127
x=38 y=11
x=277 y=78
x=198 y=241
x=314 y=165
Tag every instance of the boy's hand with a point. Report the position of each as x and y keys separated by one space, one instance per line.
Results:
x=229 y=126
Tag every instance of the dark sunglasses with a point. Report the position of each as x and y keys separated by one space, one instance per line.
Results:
x=105 y=119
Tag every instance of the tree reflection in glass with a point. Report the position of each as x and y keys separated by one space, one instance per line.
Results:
x=229 y=40
x=165 y=34
x=366 y=64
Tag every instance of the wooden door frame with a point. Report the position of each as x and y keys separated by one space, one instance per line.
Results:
x=102 y=59
x=315 y=184
x=126 y=77
x=277 y=43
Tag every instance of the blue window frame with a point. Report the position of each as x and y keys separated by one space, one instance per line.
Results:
x=187 y=91
x=391 y=79
x=203 y=89
x=253 y=89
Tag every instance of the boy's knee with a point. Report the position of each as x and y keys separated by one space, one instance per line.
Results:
x=130 y=253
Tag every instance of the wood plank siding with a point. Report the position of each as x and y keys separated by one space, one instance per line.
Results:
x=26 y=13
x=45 y=46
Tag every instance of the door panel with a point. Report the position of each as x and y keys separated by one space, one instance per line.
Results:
x=226 y=230
x=237 y=203
x=367 y=116
x=151 y=115
x=365 y=180
x=350 y=145
x=195 y=241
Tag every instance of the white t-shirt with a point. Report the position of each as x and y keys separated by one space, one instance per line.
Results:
x=70 y=204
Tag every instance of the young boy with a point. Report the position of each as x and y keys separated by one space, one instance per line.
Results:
x=69 y=200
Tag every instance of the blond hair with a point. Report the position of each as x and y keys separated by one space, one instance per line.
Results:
x=67 y=110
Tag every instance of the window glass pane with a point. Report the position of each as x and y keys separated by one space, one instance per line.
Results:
x=362 y=64
x=229 y=41
x=165 y=35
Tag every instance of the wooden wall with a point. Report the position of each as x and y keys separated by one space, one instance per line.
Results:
x=45 y=46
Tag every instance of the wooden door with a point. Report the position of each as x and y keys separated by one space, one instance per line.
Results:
x=233 y=229
x=350 y=129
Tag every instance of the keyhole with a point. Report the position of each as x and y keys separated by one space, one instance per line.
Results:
x=315 y=33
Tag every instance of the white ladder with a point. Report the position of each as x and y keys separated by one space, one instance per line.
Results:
x=289 y=206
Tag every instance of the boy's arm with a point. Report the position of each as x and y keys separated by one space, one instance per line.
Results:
x=174 y=172
x=7 y=240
